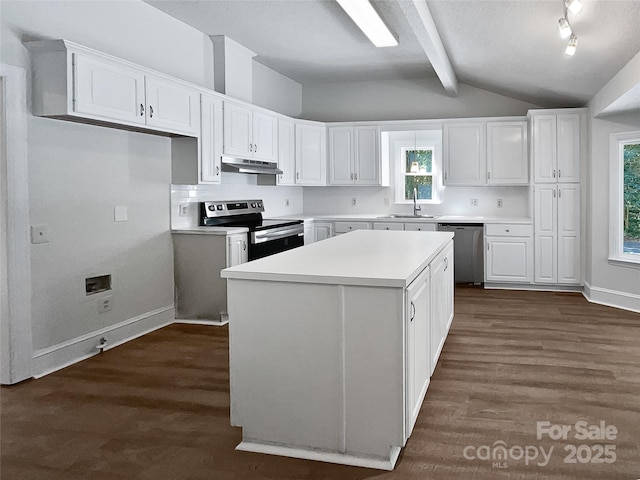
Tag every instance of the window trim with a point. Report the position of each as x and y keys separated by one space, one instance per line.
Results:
x=435 y=144
x=617 y=141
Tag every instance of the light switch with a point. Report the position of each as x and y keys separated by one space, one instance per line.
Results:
x=39 y=234
x=120 y=214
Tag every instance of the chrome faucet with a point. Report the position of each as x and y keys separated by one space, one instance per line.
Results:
x=416 y=208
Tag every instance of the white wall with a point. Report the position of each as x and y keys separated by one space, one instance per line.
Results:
x=609 y=283
x=402 y=100
x=79 y=173
x=276 y=92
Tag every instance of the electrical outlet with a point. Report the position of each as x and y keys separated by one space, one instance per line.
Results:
x=499 y=203
x=184 y=209
x=474 y=202
x=353 y=201
x=39 y=234
x=286 y=202
x=105 y=304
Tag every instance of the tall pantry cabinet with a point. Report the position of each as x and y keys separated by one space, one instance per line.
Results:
x=558 y=149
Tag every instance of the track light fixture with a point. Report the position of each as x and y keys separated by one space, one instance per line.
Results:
x=573 y=6
x=571 y=46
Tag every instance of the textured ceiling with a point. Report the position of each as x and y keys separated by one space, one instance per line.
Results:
x=510 y=47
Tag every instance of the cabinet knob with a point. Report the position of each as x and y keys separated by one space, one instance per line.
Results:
x=506 y=230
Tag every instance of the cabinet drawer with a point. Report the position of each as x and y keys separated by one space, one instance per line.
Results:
x=344 y=227
x=507 y=230
x=388 y=226
x=421 y=227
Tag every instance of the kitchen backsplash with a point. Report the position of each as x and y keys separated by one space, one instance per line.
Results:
x=234 y=187
x=454 y=201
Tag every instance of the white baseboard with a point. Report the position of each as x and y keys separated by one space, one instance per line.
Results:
x=612 y=298
x=56 y=357
x=329 y=457
x=538 y=287
x=216 y=323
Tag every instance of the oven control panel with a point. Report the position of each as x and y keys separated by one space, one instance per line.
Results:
x=228 y=208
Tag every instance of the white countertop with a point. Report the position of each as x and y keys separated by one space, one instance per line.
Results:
x=211 y=230
x=364 y=257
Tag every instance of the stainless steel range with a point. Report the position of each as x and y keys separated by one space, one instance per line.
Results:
x=266 y=236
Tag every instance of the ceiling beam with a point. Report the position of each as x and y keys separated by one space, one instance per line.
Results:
x=419 y=17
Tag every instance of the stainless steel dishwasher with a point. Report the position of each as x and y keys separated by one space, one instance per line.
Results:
x=468 y=251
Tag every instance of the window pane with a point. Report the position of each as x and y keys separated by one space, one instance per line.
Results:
x=422 y=183
x=420 y=160
x=631 y=213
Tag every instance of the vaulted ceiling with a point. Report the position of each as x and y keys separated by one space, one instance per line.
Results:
x=510 y=47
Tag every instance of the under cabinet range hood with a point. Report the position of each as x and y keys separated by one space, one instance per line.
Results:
x=245 y=165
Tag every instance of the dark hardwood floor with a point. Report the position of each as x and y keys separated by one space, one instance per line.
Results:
x=158 y=407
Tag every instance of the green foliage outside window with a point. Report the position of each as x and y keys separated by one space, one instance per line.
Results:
x=421 y=180
x=631 y=196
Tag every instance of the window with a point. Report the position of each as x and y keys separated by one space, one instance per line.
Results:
x=417 y=158
x=625 y=197
x=418 y=173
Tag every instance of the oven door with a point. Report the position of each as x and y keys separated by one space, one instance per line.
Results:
x=275 y=240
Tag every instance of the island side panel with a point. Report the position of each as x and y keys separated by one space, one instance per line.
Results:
x=374 y=370
x=285 y=344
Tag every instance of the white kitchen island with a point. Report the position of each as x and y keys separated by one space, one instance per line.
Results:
x=332 y=345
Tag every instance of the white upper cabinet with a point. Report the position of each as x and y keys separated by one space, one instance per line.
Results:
x=76 y=82
x=249 y=133
x=172 y=107
x=311 y=153
x=556 y=147
x=464 y=153
x=354 y=155
x=265 y=137
x=507 y=157
x=108 y=90
x=286 y=152
x=210 y=139
x=341 y=156
x=486 y=152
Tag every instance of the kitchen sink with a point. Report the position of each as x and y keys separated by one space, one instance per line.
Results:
x=399 y=215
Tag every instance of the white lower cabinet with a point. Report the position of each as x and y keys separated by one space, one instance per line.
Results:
x=508 y=253
x=346 y=227
x=322 y=230
x=388 y=226
x=421 y=227
x=237 y=249
x=557 y=235
x=442 y=287
x=417 y=321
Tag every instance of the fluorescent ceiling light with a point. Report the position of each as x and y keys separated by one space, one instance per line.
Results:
x=565 y=29
x=571 y=47
x=574 y=6
x=368 y=20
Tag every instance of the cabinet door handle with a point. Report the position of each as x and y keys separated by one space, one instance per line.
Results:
x=150 y=111
x=554 y=174
x=559 y=173
x=244 y=245
x=554 y=193
x=217 y=170
x=559 y=193
x=355 y=176
x=413 y=312
x=255 y=147
x=506 y=230
x=352 y=176
x=446 y=263
x=488 y=175
x=297 y=175
x=141 y=110
x=445 y=175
